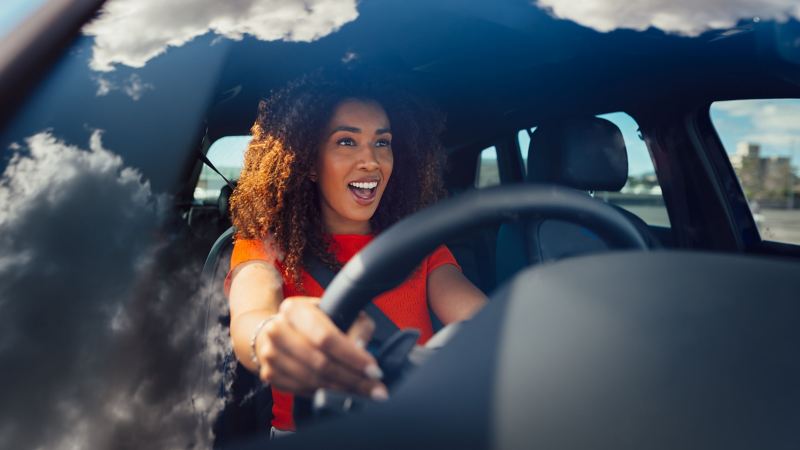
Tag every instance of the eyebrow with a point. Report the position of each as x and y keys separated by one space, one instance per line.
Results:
x=358 y=130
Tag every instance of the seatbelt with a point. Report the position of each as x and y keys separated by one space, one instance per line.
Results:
x=384 y=329
x=323 y=275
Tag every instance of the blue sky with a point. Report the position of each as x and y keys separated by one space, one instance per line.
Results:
x=774 y=124
x=14 y=11
x=228 y=151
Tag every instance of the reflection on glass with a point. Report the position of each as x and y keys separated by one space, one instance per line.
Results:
x=132 y=32
x=685 y=18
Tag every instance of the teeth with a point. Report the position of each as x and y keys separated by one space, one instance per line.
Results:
x=365 y=185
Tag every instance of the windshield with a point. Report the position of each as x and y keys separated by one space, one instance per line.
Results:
x=108 y=334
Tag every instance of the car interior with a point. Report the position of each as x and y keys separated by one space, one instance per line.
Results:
x=533 y=138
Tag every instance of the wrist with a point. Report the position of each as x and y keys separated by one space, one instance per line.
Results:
x=254 y=339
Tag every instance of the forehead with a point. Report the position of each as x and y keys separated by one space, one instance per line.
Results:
x=367 y=113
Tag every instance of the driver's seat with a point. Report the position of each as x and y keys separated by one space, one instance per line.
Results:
x=586 y=154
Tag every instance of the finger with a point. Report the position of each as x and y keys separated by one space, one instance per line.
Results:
x=362 y=329
x=364 y=387
x=280 y=381
x=283 y=371
x=291 y=375
x=295 y=345
x=326 y=372
x=323 y=334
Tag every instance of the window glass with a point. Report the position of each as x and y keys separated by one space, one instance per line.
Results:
x=227 y=155
x=488 y=170
x=762 y=140
x=641 y=194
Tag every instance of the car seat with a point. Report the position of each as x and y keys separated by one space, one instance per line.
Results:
x=247 y=407
x=586 y=154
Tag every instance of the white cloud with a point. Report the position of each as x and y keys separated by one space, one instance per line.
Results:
x=769 y=116
x=97 y=350
x=772 y=123
x=786 y=141
x=133 y=86
x=685 y=17
x=132 y=32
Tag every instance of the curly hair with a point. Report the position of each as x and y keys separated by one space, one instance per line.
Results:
x=275 y=197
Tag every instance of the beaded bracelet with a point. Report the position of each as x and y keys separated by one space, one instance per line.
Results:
x=258 y=328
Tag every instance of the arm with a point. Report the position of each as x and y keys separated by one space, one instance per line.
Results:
x=256 y=293
x=452 y=296
x=300 y=349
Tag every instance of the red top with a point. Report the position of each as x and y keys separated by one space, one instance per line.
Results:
x=406 y=305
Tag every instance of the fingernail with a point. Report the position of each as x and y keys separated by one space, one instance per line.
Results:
x=360 y=343
x=379 y=393
x=374 y=372
x=319 y=398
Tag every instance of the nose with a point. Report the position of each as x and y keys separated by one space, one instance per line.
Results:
x=368 y=159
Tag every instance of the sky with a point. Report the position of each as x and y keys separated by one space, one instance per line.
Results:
x=14 y=11
x=772 y=123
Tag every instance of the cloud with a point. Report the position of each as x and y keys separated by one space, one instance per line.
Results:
x=772 y=123
x=132 y=32
x=100 y=348
x=133 y=86
x=770 y=116
x=685 y=17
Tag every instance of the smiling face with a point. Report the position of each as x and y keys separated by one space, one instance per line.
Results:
x=354 y=165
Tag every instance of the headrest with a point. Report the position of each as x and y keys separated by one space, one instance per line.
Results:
x=224 y=200
x=582 y=153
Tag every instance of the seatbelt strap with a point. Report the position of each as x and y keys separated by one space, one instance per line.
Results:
x=323 y=275
x=384 y=329
x=211 y=166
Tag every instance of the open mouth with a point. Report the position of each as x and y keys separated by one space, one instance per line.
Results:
x=364 y=190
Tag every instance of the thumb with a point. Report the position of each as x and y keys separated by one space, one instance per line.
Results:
x=362 y=329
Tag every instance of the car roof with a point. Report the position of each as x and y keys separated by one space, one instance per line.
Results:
x=549 y=67
x=493 y=67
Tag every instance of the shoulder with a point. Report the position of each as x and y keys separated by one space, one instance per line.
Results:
x=245 y=250
x=440 y=257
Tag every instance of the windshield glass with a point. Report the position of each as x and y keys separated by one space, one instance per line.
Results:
x=109 y=333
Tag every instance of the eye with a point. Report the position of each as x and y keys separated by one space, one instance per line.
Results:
x=383 y=143
x=347 y=141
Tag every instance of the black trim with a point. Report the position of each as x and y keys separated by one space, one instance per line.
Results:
x=31 y=48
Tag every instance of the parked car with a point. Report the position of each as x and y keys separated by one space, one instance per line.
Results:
x=595 y=192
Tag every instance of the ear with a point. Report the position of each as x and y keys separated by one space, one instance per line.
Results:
x=312 y=175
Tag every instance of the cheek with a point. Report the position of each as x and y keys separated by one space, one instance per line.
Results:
x=387 y=164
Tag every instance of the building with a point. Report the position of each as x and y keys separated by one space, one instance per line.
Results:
x=763 y=178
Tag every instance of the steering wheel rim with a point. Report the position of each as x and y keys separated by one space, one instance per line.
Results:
x=391 y=257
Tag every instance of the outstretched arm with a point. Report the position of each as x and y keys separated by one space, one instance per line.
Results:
x=297 y=347
x=452 y=296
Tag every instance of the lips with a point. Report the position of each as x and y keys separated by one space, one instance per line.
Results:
x=364 y=191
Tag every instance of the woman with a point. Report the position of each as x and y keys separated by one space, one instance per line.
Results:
x=332 y=163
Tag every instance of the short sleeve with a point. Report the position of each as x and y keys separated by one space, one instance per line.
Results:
x=251 y=250
x=245 y=250
x=440 y=257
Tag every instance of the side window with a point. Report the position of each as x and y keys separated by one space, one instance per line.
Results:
x=762 y=140
x=488 y=173
x=227 y=155
x=641 y=194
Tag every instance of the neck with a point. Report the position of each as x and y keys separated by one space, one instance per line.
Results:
x=347 y=227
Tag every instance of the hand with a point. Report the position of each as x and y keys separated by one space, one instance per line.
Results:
x=302 y=350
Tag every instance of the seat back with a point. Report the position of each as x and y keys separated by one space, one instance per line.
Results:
x=586 y=154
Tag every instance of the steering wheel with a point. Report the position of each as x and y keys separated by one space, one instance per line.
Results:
x=389 y=259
